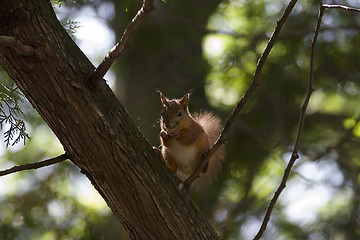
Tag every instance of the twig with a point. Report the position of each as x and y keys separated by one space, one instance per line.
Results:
x=30 y=166
x=254 y=83
x=295 y=154
x=340 y=7
x=120 y=47
x=19 y=47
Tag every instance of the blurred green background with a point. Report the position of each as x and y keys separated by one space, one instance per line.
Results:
x=213 y=47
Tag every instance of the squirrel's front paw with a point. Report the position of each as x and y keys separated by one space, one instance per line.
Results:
x=158 y=151
x=164 y=135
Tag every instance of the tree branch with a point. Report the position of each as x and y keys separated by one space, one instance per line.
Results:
x=120 y=47
x=340 y=7
x=19 y=47
x=254 y=83
x=310 y=89
x=30 y=166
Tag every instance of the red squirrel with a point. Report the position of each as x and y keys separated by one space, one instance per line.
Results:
x=185 y=139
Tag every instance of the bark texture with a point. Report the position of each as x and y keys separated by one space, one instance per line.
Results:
x=94 y=128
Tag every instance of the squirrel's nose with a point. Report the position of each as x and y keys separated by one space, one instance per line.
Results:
x=171 y=126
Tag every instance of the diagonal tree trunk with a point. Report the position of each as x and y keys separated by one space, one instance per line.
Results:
x=94 y=128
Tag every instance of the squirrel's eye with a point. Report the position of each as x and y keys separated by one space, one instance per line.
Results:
x=179 y=114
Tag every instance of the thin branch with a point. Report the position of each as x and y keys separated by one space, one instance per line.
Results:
x=254 y=83
x=30 y=166
x=295 y=155
x=120 y=47
x=19 y=47
x=340 y=7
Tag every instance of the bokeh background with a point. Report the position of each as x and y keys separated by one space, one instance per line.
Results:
x=212 y=46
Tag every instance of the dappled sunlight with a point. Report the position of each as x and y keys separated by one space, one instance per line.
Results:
x=215 y=50
x=214 y=46
x=312 y=188
x=233 y=57
x=220 y=95
x=269 y=176
x=86 y=195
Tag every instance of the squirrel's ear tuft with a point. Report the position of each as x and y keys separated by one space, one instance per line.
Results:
x=163 y=99
x=185 y=100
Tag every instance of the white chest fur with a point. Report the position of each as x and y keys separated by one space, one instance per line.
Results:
x=184 y=155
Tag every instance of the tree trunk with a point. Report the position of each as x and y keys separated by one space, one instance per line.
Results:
x=94 y=128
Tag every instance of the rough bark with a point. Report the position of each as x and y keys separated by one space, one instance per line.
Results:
x=94 y=128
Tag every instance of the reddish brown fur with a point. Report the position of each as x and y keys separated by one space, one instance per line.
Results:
x=184 y=134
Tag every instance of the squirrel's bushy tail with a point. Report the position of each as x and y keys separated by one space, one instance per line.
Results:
x=212 y=127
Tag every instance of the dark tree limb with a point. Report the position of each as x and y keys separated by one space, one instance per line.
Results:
x=95 y=129
x=36 y=165
x=120 y=47
x=19 y=47
x=246 y=96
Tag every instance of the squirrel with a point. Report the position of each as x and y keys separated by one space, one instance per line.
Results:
x=186 y=139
